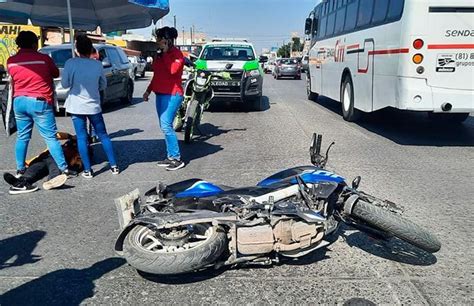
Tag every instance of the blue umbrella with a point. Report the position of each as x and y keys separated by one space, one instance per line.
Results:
x=110 y=15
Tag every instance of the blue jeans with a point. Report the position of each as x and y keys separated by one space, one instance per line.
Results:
x=80 y=125
x=29 y=111
x=166 y=107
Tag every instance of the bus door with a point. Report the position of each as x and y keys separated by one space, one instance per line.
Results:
x=364 y=79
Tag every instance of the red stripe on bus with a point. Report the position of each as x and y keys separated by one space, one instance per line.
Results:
x=452 y=46
x=392 y=51
x=353 y=46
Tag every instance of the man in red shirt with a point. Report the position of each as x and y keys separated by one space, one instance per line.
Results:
x=32 y=75
x=166 y=84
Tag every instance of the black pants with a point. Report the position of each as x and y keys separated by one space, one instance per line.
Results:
x=40 y=169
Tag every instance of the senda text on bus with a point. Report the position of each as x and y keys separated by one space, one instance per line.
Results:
x=373 y=54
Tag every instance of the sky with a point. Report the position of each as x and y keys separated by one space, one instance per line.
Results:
x=265 y=23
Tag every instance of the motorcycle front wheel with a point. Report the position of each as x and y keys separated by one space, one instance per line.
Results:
x=174 y=251
x=178 y=121
x=396 y=225
x=192 y=119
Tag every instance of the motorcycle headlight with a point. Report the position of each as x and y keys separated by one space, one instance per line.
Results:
x=201 y=81
x=253 y=73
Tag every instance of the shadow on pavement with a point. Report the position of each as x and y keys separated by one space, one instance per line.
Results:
x=61 y=287
x=130 y=152
x=182 y=279
x=358 y=302
x=209 y=130
x=127 y=132
x=228 y=106
x=21 y=248
x=411 y=128
x=393 y=249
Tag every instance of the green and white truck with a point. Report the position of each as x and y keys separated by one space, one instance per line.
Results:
x=238 y=58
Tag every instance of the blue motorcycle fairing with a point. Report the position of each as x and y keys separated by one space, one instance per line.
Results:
x=309 y=174
x=200 y=189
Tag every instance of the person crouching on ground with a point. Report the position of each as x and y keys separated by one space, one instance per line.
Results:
x=44 y=165
x=85 y=78
x=166 y=84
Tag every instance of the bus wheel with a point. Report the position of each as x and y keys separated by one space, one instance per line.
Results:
x=349 y=112
x=312 y=96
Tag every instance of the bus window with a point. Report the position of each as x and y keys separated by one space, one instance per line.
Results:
x=330 y=25
x=395 y=9
x=380 y=11
x=322 y=28
x=365 y=12
x=351 y=16
x=340 y=17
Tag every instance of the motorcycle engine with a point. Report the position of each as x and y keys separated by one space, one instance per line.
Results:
x=285 y=235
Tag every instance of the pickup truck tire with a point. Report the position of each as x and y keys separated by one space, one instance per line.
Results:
x=256 y=104
x=128 y=98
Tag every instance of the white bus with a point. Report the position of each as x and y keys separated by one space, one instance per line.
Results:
x=407 y=54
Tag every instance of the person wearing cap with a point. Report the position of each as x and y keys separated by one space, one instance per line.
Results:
x=32 y=75
x=166 y=84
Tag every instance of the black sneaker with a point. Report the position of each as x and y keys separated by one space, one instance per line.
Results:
x=10 y=179
x=164 y=162
x=87 y=174
x=115 y=170
x=19 y=173
x=22 y=187
x=70 y=173
x=175 y=165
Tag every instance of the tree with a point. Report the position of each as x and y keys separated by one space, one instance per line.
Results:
x=284 y=51
x=295 y=45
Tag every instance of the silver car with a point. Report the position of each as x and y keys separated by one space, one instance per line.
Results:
x=287 y=67
x=116 y=65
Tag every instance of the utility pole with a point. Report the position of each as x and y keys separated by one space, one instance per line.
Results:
x=183 y=36
x=174 y=17
x=191 y=32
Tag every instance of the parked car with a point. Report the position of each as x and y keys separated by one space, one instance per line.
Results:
x=138 y=66
x=116 y=65
x=270 y=65
x=287 y=67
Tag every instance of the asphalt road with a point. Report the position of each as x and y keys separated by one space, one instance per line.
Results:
x=56 y=247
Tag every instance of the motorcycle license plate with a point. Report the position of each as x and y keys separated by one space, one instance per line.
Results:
x=225 y=83
x=127 y=207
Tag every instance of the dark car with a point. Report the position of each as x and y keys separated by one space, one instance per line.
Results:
x=117 y=70
x=287 y=67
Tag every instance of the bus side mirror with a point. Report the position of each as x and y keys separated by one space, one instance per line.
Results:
x=307 y=26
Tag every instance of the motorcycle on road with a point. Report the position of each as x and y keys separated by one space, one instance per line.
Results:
x=198 y=94
x=194 y=224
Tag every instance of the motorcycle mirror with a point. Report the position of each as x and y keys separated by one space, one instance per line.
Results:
x=356 y=182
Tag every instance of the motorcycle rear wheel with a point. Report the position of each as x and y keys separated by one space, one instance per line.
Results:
x=145 y=250
x=396 y=225
x=191 y=120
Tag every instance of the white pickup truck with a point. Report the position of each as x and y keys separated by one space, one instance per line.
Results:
x=138 y=66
